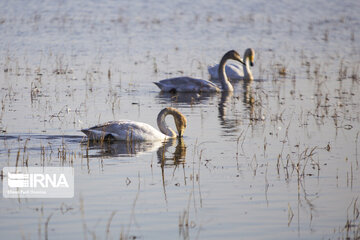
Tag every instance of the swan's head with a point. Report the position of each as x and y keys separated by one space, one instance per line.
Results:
x=250 y=54
x=180 y=122
x=234 y=55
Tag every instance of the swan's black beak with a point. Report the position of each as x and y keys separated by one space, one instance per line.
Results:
x=251 y=64
x=181 y=134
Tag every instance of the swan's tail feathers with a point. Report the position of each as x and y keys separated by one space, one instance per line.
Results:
x=91 y=134
x=158 y=84
x=86 y=131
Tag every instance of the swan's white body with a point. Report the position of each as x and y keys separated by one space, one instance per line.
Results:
x=124 y=130
x=127 y=130
x=236 y=71
x=233 y=71
x=188 y=84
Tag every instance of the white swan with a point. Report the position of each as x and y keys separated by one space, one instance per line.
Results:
x=236 y=71
x=128 y=130
x=188 y=84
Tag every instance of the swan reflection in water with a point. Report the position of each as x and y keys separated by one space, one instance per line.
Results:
x=229 y=122
x=170 y=153
x=185 y=98
x=167 y=156
x=95 y=149
x=228 y=114
x=98 y=149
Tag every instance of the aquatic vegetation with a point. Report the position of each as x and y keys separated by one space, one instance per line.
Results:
x=283 y=147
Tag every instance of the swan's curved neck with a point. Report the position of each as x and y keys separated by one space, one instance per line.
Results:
x=246 y=67
x=225 y=84
x=164 y=128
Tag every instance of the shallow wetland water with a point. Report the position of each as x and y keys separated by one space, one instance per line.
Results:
x=276 y=159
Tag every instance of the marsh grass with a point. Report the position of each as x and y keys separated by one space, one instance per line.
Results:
x=47 y=226
x=273 y=111
x=82 y=212
x=184 y=223
x=351 y=230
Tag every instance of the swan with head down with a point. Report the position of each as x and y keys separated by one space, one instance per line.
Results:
x=127 y=130
x=236 y=71
x=188 y=84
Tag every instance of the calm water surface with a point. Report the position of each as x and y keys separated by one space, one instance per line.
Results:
x=277 y=159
